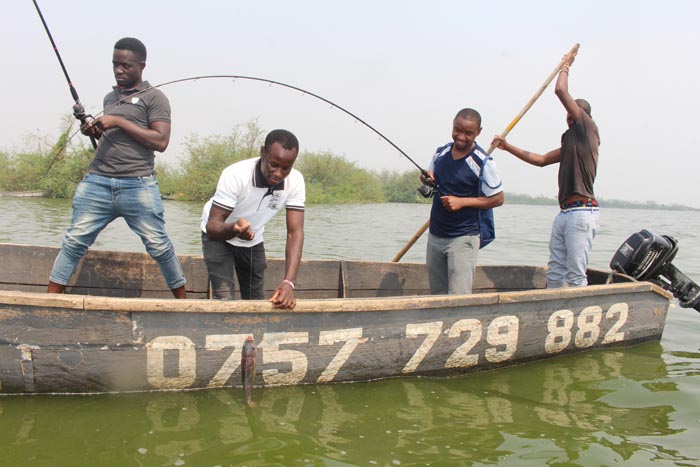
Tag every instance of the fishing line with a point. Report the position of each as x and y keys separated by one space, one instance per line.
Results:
x=272 y=82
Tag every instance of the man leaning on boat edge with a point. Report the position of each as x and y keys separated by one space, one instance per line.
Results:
x=248 y=194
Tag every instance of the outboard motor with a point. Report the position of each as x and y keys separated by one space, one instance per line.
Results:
x=646 y=256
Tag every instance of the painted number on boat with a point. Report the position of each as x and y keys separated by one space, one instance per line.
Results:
x=297 y=360
x=501 y=334
x=497 y=341
x=585 y=333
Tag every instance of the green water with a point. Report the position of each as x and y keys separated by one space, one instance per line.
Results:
x=615 y=407
x=633 y=407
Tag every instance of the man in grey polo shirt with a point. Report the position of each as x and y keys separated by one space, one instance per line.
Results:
x=120 y=181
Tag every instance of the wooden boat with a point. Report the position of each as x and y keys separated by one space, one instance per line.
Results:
x=118 y=329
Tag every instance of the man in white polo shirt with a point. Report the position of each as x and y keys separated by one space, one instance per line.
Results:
x=248 y=195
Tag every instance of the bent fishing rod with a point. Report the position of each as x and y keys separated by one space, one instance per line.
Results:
x=78 y=109
x=277 y=83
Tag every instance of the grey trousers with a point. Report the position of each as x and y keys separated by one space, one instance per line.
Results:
x=452 y=263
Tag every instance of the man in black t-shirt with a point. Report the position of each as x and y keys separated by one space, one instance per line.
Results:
x=576 y=224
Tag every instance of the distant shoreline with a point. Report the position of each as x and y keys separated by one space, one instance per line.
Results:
x=511 y=198
x=521 y=199
x=517 y=198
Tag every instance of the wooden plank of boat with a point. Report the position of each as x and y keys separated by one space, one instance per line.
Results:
x=360 y=321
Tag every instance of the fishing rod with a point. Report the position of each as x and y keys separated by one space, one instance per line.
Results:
x=78 y=109
x=277 y=83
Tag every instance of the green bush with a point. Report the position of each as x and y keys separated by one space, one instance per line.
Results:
x=55 y=170
x=331 y=179
x=58 y=168
x=205 y=159
x=402 y=187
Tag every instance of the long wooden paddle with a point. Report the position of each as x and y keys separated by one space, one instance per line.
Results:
x=510 y=126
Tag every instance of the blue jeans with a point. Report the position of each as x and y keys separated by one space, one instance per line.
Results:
x=98 y=201
x=570 y=246
x=222 y=258
x=452 y=263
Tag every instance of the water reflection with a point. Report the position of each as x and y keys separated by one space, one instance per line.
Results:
x=566 y=410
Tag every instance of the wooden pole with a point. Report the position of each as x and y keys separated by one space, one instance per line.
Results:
x=510 y=126
x=410 y=243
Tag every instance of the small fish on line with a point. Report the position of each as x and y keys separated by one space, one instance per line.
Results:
x=248 y=355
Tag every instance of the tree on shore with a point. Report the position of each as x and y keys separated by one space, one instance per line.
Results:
x=333 y=180
x=204 y=160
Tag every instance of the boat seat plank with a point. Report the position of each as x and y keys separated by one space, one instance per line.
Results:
x=316 y=279
x=508 y=278
x=107 y=273
x=374 y=279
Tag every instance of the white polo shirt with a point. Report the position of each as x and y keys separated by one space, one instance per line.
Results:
x=243 y=190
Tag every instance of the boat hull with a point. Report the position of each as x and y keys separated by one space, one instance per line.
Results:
x=93 y=344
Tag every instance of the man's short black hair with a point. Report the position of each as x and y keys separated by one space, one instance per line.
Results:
x=469 y=114
x=285 y=138
x=135 y=45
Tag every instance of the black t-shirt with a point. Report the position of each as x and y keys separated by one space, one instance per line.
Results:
x=579 y=158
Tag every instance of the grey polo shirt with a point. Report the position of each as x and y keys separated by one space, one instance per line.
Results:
x=118 y=154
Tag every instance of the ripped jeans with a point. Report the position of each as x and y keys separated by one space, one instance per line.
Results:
x=98 y=201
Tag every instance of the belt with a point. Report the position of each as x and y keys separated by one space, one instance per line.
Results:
x=580 y=203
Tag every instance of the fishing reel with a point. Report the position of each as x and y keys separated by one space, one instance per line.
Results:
x=84 y=119
x=646 y=256
x=80 y=115
x=426 y=191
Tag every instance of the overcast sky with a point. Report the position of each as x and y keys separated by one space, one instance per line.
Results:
x=405 y=67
